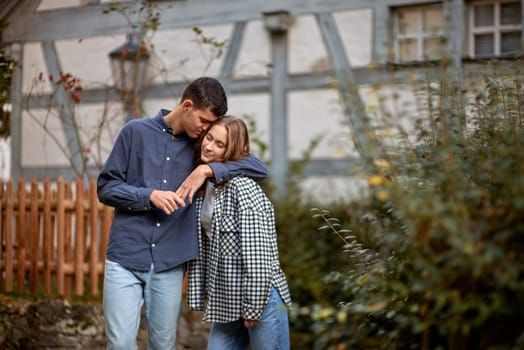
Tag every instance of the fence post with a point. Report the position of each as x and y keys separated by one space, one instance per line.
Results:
x=9 y=215
x=48 y=236
x=79 y=237
x=60 y=223
x=21 y=241
x=69 y=263
x=34 y=236
x=93 y=224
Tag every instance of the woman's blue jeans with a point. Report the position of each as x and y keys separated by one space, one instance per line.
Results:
x=271 y=333
x=124 y=293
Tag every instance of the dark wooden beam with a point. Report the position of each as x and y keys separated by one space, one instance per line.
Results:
x=295 y=82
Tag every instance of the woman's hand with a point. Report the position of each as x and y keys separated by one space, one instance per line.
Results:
x=193 y=182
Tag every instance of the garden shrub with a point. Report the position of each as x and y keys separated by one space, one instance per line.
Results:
x=440 y=265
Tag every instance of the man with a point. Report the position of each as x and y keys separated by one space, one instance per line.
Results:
x=147 y=178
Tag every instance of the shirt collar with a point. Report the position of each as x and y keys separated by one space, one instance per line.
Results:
x=164 y=126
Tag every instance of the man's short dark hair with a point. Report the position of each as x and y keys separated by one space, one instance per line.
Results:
x=207 y=92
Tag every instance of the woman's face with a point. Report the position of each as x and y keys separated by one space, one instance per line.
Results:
x=214 y=145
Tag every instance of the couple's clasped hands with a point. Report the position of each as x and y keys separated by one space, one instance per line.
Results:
x=169 y=201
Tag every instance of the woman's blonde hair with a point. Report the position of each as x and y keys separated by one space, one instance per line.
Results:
x=237 y=138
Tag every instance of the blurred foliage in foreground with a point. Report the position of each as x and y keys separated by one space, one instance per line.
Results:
x=432 y=259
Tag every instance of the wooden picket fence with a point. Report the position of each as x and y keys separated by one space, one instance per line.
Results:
x=54 y=237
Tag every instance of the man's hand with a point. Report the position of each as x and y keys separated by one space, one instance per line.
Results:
x=193 y=182
x=167 y=201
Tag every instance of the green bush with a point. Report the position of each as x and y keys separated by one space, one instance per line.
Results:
x=440 y=265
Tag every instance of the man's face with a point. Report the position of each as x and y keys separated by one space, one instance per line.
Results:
x=197 y=121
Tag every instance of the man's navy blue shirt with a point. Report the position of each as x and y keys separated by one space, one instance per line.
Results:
x=148 y=156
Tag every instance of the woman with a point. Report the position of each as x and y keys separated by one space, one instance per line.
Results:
x=237 y=276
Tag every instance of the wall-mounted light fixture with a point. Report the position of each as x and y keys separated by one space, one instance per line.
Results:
x=129 y=66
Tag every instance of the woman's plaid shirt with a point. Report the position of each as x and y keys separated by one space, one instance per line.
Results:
x=238 y=262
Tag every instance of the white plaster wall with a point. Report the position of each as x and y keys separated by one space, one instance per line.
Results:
x=179 y=55
x=152 y=106
x=38 y=147
x=88 y=59
x=318 y=113
x=307 y=52
x=254 y=107
x=43 y=132
x=5 y=158
x=328 y=189
x=254 y=58
x=35 y=75
x=306 y=49
x=356 y=32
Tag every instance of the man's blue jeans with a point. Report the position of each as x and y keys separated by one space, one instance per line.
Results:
x=271 y=333
x=124 y=293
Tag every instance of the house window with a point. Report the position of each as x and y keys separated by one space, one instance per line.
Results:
x=496 y=28
x=419 y=33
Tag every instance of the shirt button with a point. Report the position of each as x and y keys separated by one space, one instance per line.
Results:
x=129 y=208
x=164 y=130
x=157 y=224
x=153 y=245
x=168 y=158
x=164 y=181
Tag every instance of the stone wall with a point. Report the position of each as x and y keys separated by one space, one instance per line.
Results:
x=56 y=324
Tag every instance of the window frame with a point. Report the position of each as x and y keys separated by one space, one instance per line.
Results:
x=420 y=36
x=496 y=29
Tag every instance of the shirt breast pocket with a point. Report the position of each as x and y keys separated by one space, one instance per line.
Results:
x=229 y=237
